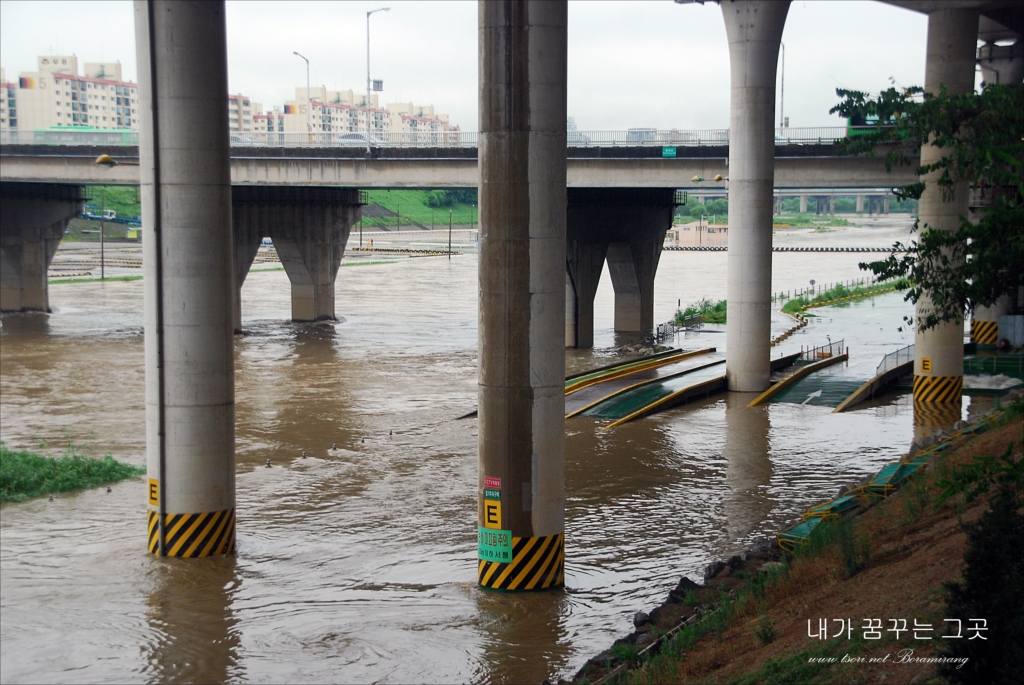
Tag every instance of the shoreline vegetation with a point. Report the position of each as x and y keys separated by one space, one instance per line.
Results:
x=24 y=474
x=837 y=296
x=709 y=311
x=943 y=548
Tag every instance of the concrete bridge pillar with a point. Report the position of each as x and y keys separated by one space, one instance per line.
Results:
x=626 y=226
x=950 y=62
x=310 y=228
x=803 y=204
x=832 y=205
x=584 y=260
x=521 y=488
x=754 y=29
x=860 y=204
x=985 y=321
x=33 y=218
x=885 y=204
x=184 y=171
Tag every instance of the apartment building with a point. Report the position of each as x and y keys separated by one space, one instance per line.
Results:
x=8 y=103
x=241 y=111
x=419 y=122
x=270 y=122
x=56 y=96
x=345 y=111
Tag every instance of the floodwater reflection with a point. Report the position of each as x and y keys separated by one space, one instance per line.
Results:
x=194 y=634
x=517 y=625
x=748 y=470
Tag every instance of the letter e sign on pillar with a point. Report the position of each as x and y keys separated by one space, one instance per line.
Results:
x=492 y=514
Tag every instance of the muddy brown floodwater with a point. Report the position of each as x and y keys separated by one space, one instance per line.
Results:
x=358 y=564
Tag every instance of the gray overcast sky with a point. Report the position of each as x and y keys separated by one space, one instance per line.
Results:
x=633 y=63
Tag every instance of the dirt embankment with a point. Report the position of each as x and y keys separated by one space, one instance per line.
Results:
x=751 y=619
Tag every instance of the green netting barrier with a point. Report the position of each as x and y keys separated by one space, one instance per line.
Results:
x=634 y=400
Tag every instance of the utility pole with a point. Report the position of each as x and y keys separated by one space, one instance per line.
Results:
x=103 y=207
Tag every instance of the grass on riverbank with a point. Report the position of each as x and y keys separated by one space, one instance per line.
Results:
x=710 y=312
x=24 y=474
x=806 y=221
x=900 y=560
x=412 y=206
x=796 y=305
x=96 y=280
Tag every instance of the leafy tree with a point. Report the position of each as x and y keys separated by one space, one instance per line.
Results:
x=983 y=138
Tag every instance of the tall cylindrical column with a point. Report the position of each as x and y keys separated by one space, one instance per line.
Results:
x=985 y=321
x=860 y=204
x=950 y=62
x=189 y=286
x=521 y=507
x=803 y=204
x=754 y=28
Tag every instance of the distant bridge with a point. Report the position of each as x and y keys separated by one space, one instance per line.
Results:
x=805 y=159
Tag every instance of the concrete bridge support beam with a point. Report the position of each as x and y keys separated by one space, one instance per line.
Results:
x=521 y=505
x=803 y=204
x=310 y=228
x=248 y=228
x=33 y=218
x=185 y=179
x=754 y=29
x=626 y=226
x=950 y=62
x=860 y=204
x=584 y=261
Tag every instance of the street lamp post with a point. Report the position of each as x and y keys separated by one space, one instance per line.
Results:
x=309 y=103
x=368 y=121
x=782 y=94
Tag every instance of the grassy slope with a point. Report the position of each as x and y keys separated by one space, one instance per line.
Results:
x=900 y=553
x=710 y=312
x=24 y=475
x=412 y=204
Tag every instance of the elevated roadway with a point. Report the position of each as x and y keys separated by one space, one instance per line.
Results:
x=797 y=167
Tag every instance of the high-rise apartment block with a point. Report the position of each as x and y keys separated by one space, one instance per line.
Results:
x=8 y=103
x=241 y=111
x=56 y=96
x=344 y=111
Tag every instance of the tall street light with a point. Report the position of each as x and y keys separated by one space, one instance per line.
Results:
x=782 y=96
x=309 y=102
x=382 y=9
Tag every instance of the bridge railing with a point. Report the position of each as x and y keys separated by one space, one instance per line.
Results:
x=435 y=139
x=894 y=359
x=813 y=354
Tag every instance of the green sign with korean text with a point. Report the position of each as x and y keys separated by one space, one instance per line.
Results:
x=494 y=545
x=668 y=152
x=491 y=493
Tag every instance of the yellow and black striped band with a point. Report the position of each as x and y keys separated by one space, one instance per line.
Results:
x=194 y=535
x=938 y=389
x=538 y=563
x=984 y=332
